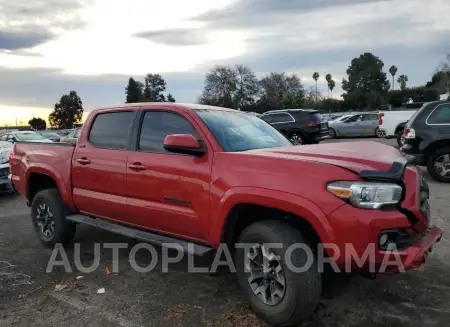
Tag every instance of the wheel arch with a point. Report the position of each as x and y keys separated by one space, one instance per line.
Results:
x=242 y=206
x=400 y=127
x=39 y=178
x=434 y=146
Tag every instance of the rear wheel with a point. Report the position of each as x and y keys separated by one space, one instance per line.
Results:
x=276 y=292
x=296 y=138
x=48 y=214
x=438 y=165
x=380 y=133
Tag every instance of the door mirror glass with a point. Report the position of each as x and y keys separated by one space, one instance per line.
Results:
x=183 y=143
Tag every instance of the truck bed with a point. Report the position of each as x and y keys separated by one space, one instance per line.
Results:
x=42 y=158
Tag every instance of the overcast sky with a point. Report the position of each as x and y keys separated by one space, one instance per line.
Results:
x=49 y=47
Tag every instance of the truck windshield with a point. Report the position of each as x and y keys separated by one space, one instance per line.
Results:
x=238 y=131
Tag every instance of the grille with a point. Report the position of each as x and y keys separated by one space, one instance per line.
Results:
x=424 y=194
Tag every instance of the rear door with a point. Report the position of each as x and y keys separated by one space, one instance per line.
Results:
x=169 y=192
x=100 y=165
x=369 y=124
x=282 y=121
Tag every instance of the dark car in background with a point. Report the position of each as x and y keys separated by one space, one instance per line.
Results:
x=300 y=126
x=427 y=138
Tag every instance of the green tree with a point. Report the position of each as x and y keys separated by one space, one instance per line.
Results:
x=67 y=112
x=154 y=85
x=402 y=80
x=331 y=86
x=170 y=98
x=37 y=123
x=279 y=90
x=133 y=91
x=393 y=72
x=328 y=78
x=367 y=84
x=316 y=78
x=220 y=87
x=247 y=88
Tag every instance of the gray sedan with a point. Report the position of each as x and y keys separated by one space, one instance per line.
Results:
x=355 y=125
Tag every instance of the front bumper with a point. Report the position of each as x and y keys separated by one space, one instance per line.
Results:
x=410 y=150
x=414 y=256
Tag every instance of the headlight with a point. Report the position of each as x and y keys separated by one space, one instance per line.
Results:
x=3 y=157
x=367 y=195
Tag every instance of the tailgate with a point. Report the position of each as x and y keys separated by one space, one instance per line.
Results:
x=52 y=159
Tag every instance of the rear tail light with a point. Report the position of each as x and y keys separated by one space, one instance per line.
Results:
x=380 y=118
x=409 y=133
x=313 y=123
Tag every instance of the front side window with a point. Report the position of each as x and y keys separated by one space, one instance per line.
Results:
x=236 y=131
x=112 y=130
x=156 y=125
x=370 y=117
x=441 y=115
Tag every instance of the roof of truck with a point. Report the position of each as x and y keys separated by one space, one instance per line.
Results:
x=141 y=105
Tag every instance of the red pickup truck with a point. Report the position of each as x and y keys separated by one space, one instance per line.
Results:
x=192 y=174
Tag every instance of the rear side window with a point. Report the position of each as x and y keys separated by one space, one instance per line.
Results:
x=315 y=117
x=157 y=125
x=440 y=115
x=277 y=118
x=370 y=117
x=112 y=130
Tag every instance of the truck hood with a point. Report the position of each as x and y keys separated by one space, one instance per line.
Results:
x=354 y=156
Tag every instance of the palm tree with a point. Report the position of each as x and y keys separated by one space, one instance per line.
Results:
x=402 y=80
x=316 y=78
x=331 y=85
x=328 y=78
x=393 y=71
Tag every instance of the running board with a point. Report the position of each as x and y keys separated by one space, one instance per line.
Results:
x=165 y=241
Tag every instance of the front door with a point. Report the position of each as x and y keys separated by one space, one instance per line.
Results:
x=99 y=166
x=168 y=192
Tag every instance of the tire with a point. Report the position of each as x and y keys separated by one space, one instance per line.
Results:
x=332 y=133
x=400 y=139
x=296 y=138
x=379 y=133
x=435 y=157
x=302 y=291
x=63 y=230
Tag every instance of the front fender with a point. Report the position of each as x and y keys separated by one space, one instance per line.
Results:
x=285 y=201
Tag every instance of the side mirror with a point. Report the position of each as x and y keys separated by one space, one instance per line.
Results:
x=183 y=143
x=11 y=140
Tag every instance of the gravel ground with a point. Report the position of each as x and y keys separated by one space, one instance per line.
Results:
x=177 y=298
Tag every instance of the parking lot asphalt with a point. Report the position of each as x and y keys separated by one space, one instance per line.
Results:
x=177 y=298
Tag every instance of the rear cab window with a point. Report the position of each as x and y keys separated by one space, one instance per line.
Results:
x=112 y=130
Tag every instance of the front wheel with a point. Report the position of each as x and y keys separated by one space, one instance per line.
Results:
x=267 y=272
x=296 y=138
x=332 y=133
x=438 y=165
x=48 y=214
